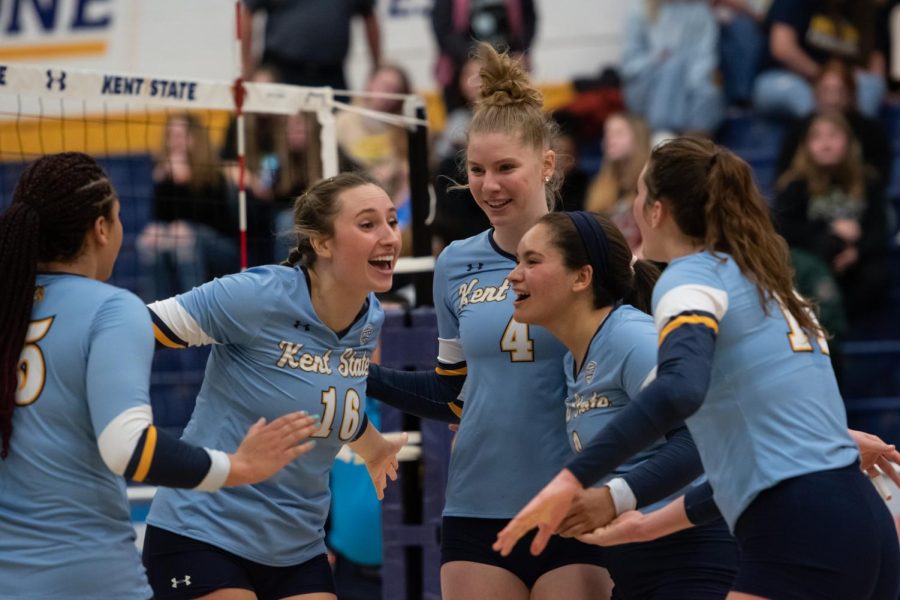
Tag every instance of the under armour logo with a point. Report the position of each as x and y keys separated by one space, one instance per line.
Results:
x=59 y=81
x=186 y=581
x=471 y=267
x=298 y=325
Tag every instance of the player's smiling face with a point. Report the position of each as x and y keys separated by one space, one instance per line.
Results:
x=506 y=177
x=542 y=283
x=366 y=242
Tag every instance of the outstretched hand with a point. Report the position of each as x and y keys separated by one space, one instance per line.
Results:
x=545 y=511
x=383 y=464
x=269 y=447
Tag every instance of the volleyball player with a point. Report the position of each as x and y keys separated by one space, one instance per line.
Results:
x=294 y=336
x=576 y=277
x=743 y=360
x=513 y=429
x=74 y=397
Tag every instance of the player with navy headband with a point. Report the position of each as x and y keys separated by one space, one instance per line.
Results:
x=513 y=427
x=744 y=362
x=577 y=278
x=74 y=397
x=294 y=336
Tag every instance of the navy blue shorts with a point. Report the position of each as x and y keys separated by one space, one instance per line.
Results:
x=470 y=539
x=699 y=563
x=180 y=567
x=823 y=535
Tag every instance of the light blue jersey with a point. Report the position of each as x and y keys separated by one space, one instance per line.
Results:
x=620 y=361
x=773 y=410
x=512 y=436
x=65 y=530
x=272 y=355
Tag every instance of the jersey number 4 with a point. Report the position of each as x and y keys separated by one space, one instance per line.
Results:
x=350 y=420
x=32 y=370
x=515 y=340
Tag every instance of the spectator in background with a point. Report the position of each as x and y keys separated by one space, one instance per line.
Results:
x=378 y=147
x=626 y=148
x=575 y=180
x=308 y=40
x=274 y=175
x=803 y=36
x=835 y=90
x=458 y=24
x=742 y=44
x=456 y=215
x=669 y=64
x=831 y=204
x=299 y=168
x=453 y=139
x=192 y=237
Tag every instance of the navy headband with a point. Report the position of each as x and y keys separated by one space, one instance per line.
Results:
x=594 y=240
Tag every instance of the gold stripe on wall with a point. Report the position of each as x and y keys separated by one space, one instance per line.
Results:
x=26 y=137
x=61 y=50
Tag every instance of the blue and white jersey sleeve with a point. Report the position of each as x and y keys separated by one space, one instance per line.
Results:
x=117 y=377
x=120 y=352
x=450 y=352
x=695 y=297
x=689 y=302
x=223 y=311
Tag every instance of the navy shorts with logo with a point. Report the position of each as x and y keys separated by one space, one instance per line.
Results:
x=180 y=567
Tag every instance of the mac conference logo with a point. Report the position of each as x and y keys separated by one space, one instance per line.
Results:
x=589 y=370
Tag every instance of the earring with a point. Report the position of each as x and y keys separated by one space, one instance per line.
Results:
x=547 y=179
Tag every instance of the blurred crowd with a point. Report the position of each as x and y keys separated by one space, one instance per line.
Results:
x=820 y=68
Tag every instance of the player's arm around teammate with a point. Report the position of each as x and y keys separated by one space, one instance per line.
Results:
x=744 y=362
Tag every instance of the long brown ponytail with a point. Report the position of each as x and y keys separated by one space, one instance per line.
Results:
x=713 y=198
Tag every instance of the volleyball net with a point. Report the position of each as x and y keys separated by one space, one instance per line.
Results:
x=171 y=147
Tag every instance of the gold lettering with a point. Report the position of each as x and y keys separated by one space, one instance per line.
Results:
x=353 y=364
x=469 y=294
x=311 y=363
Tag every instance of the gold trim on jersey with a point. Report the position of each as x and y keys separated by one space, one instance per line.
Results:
x=687 y=320
x=165 y=340
x=456 y=409
x=146 y=455
x=451 y=372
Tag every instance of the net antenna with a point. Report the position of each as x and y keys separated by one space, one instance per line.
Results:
x=255 y=97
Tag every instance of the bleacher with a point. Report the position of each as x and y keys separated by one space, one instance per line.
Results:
x=872 y=352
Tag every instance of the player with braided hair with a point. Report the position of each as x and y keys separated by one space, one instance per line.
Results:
x=74 y=391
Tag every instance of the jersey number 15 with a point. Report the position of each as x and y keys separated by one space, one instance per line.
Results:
x=32 y=370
